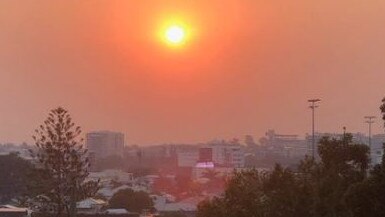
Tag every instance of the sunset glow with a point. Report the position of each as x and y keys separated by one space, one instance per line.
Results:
x=191 y=71
x=192 y=108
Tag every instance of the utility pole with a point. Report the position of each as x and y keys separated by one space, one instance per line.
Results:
x=370 y=121
x=313 y=106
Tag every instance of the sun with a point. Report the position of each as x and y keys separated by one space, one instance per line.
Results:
x=175 y=34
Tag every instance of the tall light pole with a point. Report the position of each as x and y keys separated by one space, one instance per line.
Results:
x=313 y=106
x=370 y=121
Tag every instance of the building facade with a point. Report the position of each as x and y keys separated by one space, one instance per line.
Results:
x=212 y=155
x=102 y=144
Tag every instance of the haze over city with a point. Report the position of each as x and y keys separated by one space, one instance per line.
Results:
x=248 y=66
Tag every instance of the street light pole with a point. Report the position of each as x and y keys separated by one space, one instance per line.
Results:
x=313 y=106
x=370 y=121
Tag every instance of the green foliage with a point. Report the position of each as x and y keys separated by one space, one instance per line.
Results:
x=131 y=200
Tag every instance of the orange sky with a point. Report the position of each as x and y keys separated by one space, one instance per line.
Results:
x=250 y=66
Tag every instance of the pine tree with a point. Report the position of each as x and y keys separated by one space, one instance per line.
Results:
x=61 y=155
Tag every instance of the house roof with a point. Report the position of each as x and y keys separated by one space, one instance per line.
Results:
x=189 y=204
x=117 y=211
x=89 y=202
x=13 y=209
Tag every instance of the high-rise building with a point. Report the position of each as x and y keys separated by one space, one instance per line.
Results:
x=102 y=144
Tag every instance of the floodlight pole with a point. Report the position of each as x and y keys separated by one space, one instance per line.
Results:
x=313 y=106
x=370 y=121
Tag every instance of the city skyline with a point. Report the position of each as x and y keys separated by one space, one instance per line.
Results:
x=251 y=66
x=241 y=139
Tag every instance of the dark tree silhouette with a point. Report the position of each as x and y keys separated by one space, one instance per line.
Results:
x=131 y=200
x=343 y=164
x=382 y=108
x=61 y=156
x=210 y=174
x=367 y=199
x=315 y=189
x=14 y=178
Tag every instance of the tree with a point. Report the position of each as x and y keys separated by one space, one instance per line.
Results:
x=63 y=159
x=215 y=182
x=210 y=174
x=253 y=194
x=367 y=198
x=343 y=164
x=316 y=189
x=285 y=194
x=337 y=185
x=14 y=172
x=249 y=141
x=382 y=108
x=131 y=200
x=214 y=207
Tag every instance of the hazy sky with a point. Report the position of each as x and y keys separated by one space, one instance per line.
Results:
x=251 y=66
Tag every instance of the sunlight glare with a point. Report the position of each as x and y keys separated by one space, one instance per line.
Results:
x=175 y=34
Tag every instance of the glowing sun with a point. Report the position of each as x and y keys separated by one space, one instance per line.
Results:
x=175 y=35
